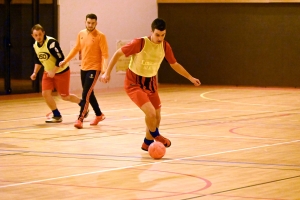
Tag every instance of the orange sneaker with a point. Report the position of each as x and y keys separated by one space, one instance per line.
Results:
x=163 y=140
x=78 y=124
x=97 y=119
x=145 y=146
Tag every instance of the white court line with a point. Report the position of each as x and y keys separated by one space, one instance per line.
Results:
x=234 y=102
x=228 y=137
x=140 y=165
x=233 y=110
x=126 y=119
x=182 y=113
x=192 y=135
x=17 y=120
x=35 y=129
x=183 y=108
x=164 y=115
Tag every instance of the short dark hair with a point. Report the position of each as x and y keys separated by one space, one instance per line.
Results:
x=159 y=24
x=91 y=16
x=37 y=27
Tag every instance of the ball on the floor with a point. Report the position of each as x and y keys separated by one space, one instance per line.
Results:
x=157 y=150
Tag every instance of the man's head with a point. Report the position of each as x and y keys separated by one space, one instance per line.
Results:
x=38 y=33
x=158 y=27
x=91 y=22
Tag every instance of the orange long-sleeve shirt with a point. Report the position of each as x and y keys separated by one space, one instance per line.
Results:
x=93 y=47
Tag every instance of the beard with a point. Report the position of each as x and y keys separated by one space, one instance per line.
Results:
x=90 y=29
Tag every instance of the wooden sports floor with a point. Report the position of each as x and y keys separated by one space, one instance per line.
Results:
x=235 y=143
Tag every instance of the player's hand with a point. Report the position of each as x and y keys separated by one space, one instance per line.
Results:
x=105 y=78
x=33 y=76
x=51 y=74
x=195 y=81
x=62 y=63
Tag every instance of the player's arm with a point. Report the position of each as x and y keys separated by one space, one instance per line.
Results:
x=106 y=76
x=56 y=52
x=104 y=65
x=169 y=55
x=104 y=49
x=37 y=67
x=129 y=49
x=36 y=70
x=72 y=53
x=180 y=70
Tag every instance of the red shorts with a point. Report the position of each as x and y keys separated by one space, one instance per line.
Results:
x=142 y=89
x=61 y=82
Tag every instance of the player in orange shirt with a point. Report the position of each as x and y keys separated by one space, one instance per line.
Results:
x=147 y=53
x=92 y=45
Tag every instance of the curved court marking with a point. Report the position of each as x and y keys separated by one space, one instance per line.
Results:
x=202 y=95
x=146 y=164
x=198 y=188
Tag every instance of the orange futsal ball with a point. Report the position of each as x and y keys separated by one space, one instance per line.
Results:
x=157 y=150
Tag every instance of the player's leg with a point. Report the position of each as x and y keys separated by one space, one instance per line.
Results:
x=158 y=118
x=62 y=85
x=150 y=116
x=90 y=84
x=79 y=122
x=143 y=92
x=99 y=115
x=156 y=103
x=89 y=79
x=47 y=88
x=140 y=98
x=152 y=119
x=151 y=110
x=47 y=94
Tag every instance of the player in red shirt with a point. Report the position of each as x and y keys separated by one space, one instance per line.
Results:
x=147 y=53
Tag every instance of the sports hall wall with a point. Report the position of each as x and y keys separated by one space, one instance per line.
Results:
x=249 y=44
x=117 y=19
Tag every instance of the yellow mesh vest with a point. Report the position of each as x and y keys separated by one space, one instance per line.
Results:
x=45 y=57
x=147 y=62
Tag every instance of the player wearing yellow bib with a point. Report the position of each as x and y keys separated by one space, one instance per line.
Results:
x=49 y=54
x=140 y=83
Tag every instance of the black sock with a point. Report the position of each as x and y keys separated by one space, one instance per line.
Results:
x=155 y=133
x=56 y=113
x=148 y=142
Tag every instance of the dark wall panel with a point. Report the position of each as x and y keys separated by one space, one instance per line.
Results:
x=251 y=44
x=2 y=34
x=21 y=51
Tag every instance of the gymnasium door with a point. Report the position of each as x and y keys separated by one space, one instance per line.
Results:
x=16 y=52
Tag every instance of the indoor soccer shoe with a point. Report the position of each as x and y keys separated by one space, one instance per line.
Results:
x=78 y=124
x=145 y=146
x=163 y=140
x=97 y=119
x=54 y=120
